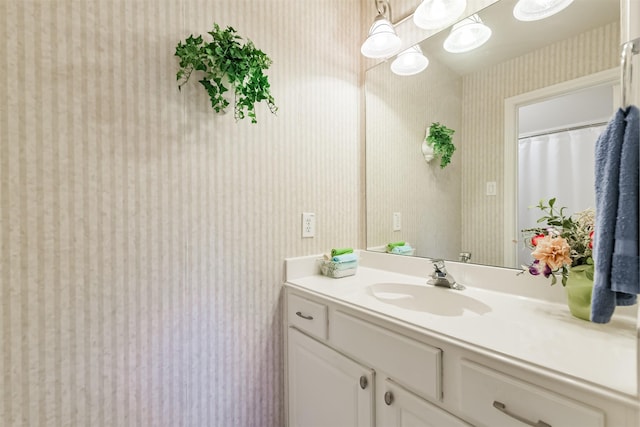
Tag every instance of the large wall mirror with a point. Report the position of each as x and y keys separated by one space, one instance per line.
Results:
x=467 y=207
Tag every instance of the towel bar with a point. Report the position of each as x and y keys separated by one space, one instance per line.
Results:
x=630 y=48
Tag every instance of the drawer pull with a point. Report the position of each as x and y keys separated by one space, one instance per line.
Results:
x=388 y=398
x=304 y=316
x=364 y=382
x=503 y=408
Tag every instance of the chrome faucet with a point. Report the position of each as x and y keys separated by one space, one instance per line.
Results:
x=441 y=277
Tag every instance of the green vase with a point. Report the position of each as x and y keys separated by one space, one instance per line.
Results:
x=579 y=287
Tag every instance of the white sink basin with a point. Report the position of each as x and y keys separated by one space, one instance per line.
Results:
x=427 y=298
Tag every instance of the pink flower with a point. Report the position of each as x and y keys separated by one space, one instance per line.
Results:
x=553 y=252
x=534 y=239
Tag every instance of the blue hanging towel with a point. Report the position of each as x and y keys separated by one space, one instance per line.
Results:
x=615 y=250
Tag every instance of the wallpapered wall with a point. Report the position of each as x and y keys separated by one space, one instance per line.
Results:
x=142 y=237
x=482 y=132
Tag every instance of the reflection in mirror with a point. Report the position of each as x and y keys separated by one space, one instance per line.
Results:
x=446 y=212
x=556 y=149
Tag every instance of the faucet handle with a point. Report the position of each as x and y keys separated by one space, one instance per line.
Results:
x=464 y=256
x=440 y=276
x=438 y=265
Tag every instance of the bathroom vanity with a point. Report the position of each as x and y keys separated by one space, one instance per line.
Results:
x=383 y=348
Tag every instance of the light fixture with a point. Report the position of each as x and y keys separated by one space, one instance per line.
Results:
x=409 y=62
x=466 y=35
x=382 y=41
x=533 y=10
x=434 y=14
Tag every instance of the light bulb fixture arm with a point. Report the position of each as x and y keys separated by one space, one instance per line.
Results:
x=384 y=8
x=382 y=41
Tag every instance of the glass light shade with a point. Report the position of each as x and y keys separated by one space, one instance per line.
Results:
x=434 y=14
x=382 y=41
x=533 y=10
x=466 y=35
x=409 y=62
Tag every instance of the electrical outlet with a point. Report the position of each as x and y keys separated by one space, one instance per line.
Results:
x=308 y=224
x=397 y=221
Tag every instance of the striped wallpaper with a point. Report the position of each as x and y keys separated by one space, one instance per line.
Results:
x=142 y=236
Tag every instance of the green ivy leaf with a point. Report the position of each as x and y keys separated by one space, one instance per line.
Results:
x=440 y=140
x=225 y=58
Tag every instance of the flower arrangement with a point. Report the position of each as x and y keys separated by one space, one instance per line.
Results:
x=561 y=243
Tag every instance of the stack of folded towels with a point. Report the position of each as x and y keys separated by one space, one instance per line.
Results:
x=341 y=263
x=400 y=248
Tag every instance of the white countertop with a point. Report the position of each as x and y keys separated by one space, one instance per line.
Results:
x=530 y=330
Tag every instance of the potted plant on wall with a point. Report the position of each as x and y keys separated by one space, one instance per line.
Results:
x=438 y=139
x=226 y=61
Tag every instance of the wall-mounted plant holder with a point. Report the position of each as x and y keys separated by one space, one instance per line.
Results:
x=427 y=150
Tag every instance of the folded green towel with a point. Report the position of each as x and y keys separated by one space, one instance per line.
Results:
x=390 y=246
x=340 y=251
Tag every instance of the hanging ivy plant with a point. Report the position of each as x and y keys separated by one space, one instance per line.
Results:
x=440 y=140
x=227 y=61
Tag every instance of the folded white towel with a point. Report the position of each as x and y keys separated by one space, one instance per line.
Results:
x=402 y=250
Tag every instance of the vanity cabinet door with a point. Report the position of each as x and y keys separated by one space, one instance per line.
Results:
x=326 y=389
x=415 y=365
x=401 y=408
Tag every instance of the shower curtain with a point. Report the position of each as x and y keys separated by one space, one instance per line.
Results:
x=559 y=165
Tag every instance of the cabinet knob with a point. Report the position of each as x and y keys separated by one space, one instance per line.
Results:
x=364 y=382
x=388 y=398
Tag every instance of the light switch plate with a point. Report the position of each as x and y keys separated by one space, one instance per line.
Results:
x=397 y=221
x=491 y=188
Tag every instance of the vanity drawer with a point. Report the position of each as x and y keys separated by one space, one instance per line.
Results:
x=307 y=316
x=495 y=399
x=411 y=363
